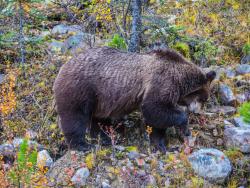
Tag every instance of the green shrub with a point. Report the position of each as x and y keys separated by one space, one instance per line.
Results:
x=183 y=48
x=245 y=111
x=24 y=168
x=246 y=48
x=118 y=42
x=205 y=49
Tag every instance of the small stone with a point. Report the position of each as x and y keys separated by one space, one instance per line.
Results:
x=219 y=142
x=215 y=132
x=133 y=155
x=80 y=177
x=191 y=141
x=30 y=134
x=44 y=159
x=151 y=180
x=245 y=148
x=105 y=184
x=167 y=183
x=211 y=164
x=241 y=98
x=224 y=110
x=243 y=69
x=56 y=47
x=120 y=148
x=141 y=173
x=130 y=165
x=230 y=73
x=226 y=94
x=2 y=76
x=211 y=126
x=7 y=150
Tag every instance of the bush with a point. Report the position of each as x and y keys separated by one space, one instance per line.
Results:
x=21 y=173
x=183 y=48
x=118 y=42
x=246 y=49
x=245 y=111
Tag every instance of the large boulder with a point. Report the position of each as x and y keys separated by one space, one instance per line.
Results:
x=243 y=69
x=211 y=164
x=238 y=137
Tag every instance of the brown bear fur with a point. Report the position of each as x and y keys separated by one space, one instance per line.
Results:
x=104 y=82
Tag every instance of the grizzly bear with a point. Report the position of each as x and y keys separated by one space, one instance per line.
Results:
x=107 y=83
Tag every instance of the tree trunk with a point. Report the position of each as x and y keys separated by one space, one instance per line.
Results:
x=21 y=37
x=134 y=44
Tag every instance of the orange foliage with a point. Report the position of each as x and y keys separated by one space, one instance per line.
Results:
x=8 y=97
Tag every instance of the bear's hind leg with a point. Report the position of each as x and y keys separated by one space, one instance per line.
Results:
x=74 y=126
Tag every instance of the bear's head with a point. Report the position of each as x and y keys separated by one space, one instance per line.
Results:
x=195 y=100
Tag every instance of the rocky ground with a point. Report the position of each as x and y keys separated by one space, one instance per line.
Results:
x=216 y=155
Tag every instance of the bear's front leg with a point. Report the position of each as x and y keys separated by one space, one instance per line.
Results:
x=74 y=127
x=158 y=139
x=161 y=117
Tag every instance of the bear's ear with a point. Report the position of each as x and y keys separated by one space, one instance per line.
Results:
x=211 y=76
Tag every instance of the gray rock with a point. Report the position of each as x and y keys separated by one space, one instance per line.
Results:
x=31 y=134
x=151 y=180
x=80 y=177
x=225 y=110
x=245 y=59
x=44 y=34
x=228 y=124
x=238 y=137
x=74 y=29
x=219 y=142
x=105 y=184
x=7 y=150
x=2 y=76
x=120 y=148
x=64 y=29
x=211 y=164
x=57 y=47
x=243 y=69
x=220 y=71
x=239 y=122
x=44 y=159
x=133 y=155
x=230 y=73
x=241 y=98
x=215 y=132
x=226 y=94
x=74 y=41
x=60 y=29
